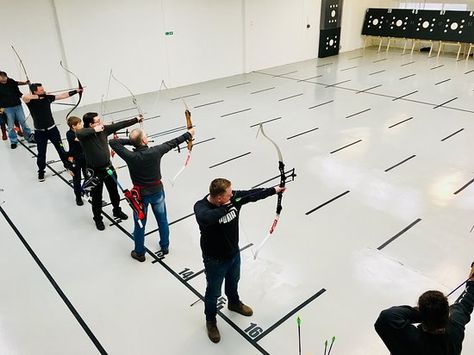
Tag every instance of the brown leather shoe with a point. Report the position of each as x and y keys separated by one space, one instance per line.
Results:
x=240 y=308
x=213 y=332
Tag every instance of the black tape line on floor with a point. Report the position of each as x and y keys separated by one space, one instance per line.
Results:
x=398 y=234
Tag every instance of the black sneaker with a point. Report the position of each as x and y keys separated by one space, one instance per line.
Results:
x=100 y=225
x=164 y=251
x=41 y=176
x=13 y=145
x=140 y=258
x=79 y=201
x=120 y=215
x=212 y=331
x=240 y=308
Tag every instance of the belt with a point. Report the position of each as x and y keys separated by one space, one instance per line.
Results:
x=45 y=129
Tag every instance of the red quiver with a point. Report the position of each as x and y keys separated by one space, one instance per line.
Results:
x=134 y=199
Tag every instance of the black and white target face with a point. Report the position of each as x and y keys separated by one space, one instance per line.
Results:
x=375 y=22
x=454 y=26
x=399 y=23
x=333 y=13
x=332 y=42
x=426 y=24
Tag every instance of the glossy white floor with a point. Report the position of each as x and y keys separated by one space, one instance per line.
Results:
x=380 y=144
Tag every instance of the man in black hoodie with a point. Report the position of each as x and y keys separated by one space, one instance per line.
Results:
x=93 y=138
x=218 y=217
x=441 y=328
x=144 y=167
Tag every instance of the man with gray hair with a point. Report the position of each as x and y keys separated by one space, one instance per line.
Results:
x=144 y=167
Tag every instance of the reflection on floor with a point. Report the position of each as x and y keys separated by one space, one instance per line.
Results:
x=380 y=210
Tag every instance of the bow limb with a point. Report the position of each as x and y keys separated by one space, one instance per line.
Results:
x=189 y=125
x=21 y=62
x=79 y=85
x=134 y=99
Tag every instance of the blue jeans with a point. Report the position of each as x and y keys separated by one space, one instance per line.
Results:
x=158 y=206
x=218 y=270
x=16 y=113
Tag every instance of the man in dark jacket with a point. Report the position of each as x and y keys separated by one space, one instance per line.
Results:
x=218 y=217
x=93 y=139
x=441 y=328
x=144 y=167
x=10 y=101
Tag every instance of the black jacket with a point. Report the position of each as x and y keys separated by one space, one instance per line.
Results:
x=144 y=162
x=219 y=225
x=94 y=144
x=395 y=327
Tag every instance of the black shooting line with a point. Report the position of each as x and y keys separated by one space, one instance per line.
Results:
x=236 y=112
x=379 y=60
x=290 y=72
x=312 y=77
x=203 y=270
x=436 y=67
x=274 y=326
x=300 y=134
x=290 y=97
x=263 y=122
x=365 y=90
x=452 y=134
x=398 y=234
x=185 y=96
x=405 y=64
x=197 y=143
x=209 y=103
x=462 y=188
x=239 y=84
x=358 y=113
x=324 y=65
x=378 y=72
x=345 y=69
x=55 y=285
x=321 y=104
x=396 y=124
x=407 y=76
x=340 y=82
x=470 y=71
x=165 y=266
x=327 y=202
x=360 y=56
x=442 y=81
x=444 y=103
x=259 y=91
x=401 y=97
x=112 y=112
x=228 y=160
x=346 y=146
x=403 y=161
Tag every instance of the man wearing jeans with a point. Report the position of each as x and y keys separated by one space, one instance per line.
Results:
x=10 y=101
x=144 y=167
x=218 y=217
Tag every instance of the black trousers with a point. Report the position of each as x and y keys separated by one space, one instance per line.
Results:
x=42 y=138
x=96 y=192
x=78 y=168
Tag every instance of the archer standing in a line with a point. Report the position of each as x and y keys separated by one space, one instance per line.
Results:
x=39 y=104
x=93 y=138
x=218 y=217
x=10 y=101
x=144 y=167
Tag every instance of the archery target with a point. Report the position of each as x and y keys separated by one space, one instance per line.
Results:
x=330 y=14
x=329 y=41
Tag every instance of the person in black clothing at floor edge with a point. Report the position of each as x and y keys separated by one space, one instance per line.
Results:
x=39 y=104
x=218 y=217
x=76 y=157
x=144 y=167
x=93 y=139
x=441 y=328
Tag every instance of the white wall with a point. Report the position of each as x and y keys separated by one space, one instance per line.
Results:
x=276 y=32
x=212 y=39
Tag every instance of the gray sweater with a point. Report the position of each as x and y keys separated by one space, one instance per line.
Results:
x=94 y=144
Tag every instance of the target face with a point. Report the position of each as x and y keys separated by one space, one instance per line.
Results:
x=330 y=14
x=329 y=42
